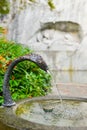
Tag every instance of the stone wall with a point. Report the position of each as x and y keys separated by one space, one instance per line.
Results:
x=59 y=35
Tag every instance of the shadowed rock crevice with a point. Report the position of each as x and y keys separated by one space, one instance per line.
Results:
x=56 y=35
x=64 y=26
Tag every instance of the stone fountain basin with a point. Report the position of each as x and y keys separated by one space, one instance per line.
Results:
x=43 y=113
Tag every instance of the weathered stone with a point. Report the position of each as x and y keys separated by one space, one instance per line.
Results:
x=59 y=35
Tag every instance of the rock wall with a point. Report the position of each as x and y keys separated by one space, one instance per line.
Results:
x=59 y=35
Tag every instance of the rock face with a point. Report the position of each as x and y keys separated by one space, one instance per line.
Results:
x=59 y=35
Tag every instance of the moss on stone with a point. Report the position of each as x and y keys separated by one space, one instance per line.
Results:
x=51 y=4
x=32 y=0
x=4 y=7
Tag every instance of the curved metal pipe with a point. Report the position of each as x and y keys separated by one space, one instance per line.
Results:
x=37 y=59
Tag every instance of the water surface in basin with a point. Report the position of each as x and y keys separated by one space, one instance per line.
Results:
x=52 y=112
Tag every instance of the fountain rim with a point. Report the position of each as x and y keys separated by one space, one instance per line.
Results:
x=49 y=97
x=28 y=124
x=46 y=98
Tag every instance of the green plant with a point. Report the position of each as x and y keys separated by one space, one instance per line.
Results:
x=32 y=0
x=27 y=79
x=4 y=7
x=51 y=4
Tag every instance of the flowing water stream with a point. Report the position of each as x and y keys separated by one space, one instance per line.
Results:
x=54 y=84
x=58 y=91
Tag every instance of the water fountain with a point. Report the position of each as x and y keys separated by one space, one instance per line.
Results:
x=41 y=113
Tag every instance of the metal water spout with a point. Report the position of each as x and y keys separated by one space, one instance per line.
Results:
x=37 y=59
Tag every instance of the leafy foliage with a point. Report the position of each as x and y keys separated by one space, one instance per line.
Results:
x=27 y=79
x=4 y=7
